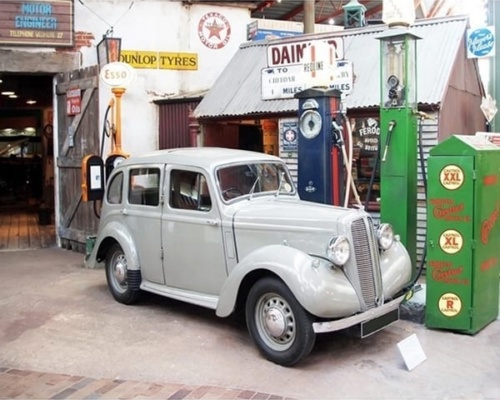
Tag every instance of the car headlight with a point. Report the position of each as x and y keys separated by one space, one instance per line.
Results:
x=385 y=236
x=338 y=250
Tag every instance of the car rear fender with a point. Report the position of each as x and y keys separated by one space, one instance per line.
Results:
x=111 y=233
x=320 y=289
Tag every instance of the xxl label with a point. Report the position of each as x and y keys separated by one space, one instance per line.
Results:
x=451 y=177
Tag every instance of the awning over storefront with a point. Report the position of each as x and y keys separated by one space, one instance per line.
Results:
x=237 y=92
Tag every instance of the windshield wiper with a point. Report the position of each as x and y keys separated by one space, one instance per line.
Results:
x=281 y=175
x=253 y=187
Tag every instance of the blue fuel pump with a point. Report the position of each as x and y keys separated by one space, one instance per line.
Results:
x=320 y=160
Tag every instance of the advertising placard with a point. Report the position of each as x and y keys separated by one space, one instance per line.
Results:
x=480 y=42
x=40 y=23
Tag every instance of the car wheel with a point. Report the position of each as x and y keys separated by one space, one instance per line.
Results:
x=278 y=324
x=118 y=277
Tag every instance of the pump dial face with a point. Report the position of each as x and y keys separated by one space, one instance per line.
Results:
x=310 y=124
x=393 y=81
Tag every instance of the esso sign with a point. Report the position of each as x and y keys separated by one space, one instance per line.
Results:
x=117 y=74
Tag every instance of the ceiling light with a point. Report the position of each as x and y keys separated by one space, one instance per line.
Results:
x=8 y=93
x=12 y=96
x=30 y=101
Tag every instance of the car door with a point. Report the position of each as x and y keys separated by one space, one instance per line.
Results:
x=142 y=215
x=193 y=250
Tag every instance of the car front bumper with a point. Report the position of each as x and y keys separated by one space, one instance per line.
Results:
x=371 y=321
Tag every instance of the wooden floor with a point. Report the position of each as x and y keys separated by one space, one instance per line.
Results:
x=20 y=229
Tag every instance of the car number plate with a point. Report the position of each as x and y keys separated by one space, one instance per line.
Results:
x=374 y=325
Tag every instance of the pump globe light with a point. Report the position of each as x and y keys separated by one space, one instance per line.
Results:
x=398 y=12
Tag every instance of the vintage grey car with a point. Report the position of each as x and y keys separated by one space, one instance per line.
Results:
x=225 y=229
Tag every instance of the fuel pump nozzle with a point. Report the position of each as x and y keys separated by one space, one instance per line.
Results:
x=392 y=124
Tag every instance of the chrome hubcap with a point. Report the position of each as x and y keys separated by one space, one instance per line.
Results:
x=274 y=322
x=120 y=270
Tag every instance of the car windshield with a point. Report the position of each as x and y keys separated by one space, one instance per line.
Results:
x=254 y=179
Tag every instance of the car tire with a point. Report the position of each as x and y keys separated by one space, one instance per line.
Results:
x=279 y=326
x=124 y=289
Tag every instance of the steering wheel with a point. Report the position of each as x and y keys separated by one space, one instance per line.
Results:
x=231 y=193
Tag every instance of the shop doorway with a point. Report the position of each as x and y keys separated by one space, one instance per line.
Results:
x=250 y=138
x=26 y=155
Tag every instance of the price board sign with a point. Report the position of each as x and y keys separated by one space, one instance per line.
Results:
x=73 y=101
x=117 y=74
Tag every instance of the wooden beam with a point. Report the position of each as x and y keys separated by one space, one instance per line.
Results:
x=297 y=10
x=41 y=61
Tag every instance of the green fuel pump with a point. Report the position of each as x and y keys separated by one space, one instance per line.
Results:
x=398 y=122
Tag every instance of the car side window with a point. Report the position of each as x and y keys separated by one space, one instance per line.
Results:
x=115 y=189
x=144 y=186
x=189 y=191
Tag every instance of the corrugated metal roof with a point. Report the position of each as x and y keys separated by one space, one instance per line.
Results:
x=237 y=92
x=293 y=10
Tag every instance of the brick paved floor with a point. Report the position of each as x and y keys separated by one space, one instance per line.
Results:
x=20 y=384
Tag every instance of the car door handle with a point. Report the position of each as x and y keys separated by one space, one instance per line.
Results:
x=124 y=211
x=213 y=222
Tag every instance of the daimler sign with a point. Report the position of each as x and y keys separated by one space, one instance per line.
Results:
x=280 y=55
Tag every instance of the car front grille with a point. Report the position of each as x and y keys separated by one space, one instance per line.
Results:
x=367 y=262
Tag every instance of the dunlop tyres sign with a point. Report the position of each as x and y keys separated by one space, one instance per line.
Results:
x=160 y=60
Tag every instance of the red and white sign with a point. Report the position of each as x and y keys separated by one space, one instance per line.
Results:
x=73 y=101
x=280 y=55
x=214 y=30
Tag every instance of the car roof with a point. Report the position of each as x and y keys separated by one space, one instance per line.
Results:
x=205 y=157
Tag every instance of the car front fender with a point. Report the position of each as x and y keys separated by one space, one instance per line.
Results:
x=395 y=265
x=117 y=232
x=322 y=290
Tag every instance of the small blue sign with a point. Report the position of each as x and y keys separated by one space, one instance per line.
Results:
x=289 y=131
x=261 y=34
x=480 y=42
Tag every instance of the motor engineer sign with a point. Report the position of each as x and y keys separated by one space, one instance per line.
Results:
x=40 y=23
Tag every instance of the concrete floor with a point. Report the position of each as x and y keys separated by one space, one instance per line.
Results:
x=56 y=316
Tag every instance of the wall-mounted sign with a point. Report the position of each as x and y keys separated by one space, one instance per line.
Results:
x=480 y=42
x=284 y=82
x=73 y=101
x=160 y=60
x=289 y=133
x=40 y=23
x=366 y=135
x=214 y=30
x=261 y=34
